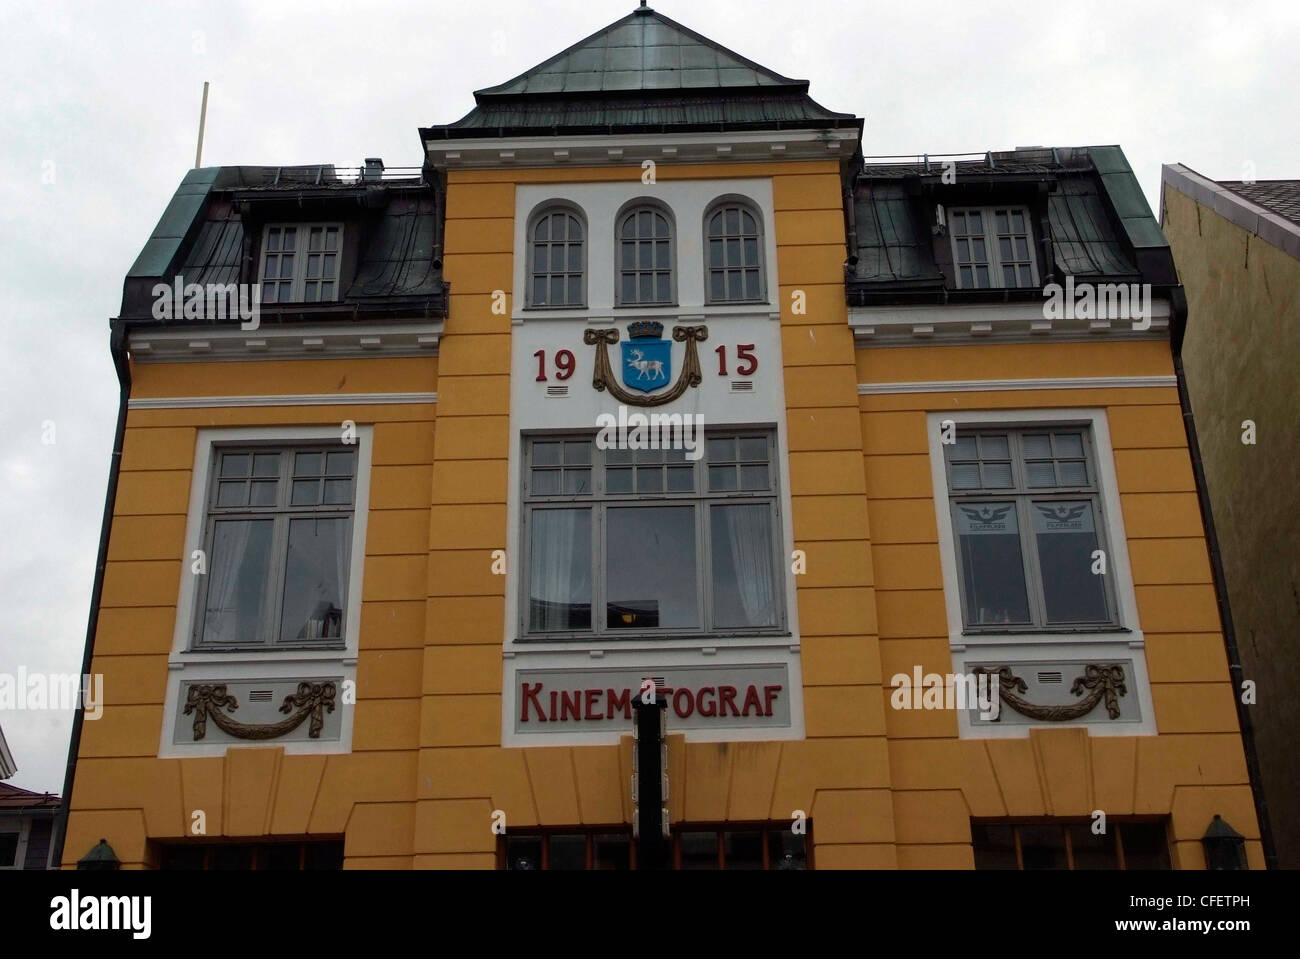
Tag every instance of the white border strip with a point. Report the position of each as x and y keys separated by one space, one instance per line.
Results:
x=980 y=386
x=287 y=399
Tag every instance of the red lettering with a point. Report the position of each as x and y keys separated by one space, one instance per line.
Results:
x=568 y=705
x=677 y=703
x=617 y=702
x=712 y=706
x=589 y=698
x=770 y=693
x=552 y=705
x=752 y=697
x=727 y=697
x=531 y=694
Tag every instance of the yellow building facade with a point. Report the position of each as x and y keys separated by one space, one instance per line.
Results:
x=427 y=755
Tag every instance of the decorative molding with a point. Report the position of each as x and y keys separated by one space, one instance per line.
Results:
x=1106 y=682
x=311 y=699
x=284 y=399
x=603 y=378
x=628 y=148
x=277 y=342
x=897 y=325
x=1057 y=383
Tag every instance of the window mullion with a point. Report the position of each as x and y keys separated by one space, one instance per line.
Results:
x=599 y=617
x=704 y=562
x=1029 y=547
x=279 y=575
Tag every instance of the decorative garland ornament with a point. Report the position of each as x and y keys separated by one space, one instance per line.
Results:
x=1106 y=681
x=603 y=378
x=208 y=700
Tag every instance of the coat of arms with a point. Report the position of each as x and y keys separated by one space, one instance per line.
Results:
x=647 y=357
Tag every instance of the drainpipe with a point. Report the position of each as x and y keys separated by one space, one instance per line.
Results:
x=1178 y=326
x=117 y=346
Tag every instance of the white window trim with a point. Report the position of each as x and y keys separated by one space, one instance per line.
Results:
x=988 y=217
x=546 y=208
x=600 y=203
x=186 y=665
x=297 y=287
x=745 y=204
x=1026 y=647
x=23 y=825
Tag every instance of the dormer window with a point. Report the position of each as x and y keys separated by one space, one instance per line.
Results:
x=300 y=262
x=992 y=248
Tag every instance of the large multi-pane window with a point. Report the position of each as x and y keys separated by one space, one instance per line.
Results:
x=316 y=855
x=277 y=544
x=992 y=247
x=733 y=847
x=734 y=255
x=1066 y=844
x=1027 y=518
x=300 y=263
x=557 y=261
x=645 y=258
x=623 y=541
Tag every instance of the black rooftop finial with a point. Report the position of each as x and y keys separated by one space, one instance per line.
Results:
x=643 y=9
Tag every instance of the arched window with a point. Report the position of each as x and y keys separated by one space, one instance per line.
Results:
x=733 y=259
x=557 y=261
x=645 y=258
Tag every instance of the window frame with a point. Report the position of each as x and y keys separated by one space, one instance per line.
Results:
x=545 y=210
x=674 y=852
x=282 y=516
x=20 y=827
x=746 y=206
x=1024 y=495
x=600 y=502
x=1064 y=823
x=297 y=286
x=162 y=851
x=988 y=219
x=626 y=212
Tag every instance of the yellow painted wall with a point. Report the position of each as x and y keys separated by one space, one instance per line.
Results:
x=1195 y=767
x=884 y=789
x=1240 y=353
x=126 y=794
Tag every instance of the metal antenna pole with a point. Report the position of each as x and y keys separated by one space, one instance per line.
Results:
x=203 y=116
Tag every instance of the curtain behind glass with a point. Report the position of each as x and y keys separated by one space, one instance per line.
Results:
x=746 y=532
x=560 y=577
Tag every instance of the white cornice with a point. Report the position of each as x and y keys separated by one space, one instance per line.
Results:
x=897 y=325
x=284 y=399
x=1055 y=383
x=284 y=342
x=635 y=148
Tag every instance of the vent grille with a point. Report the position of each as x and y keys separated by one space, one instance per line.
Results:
x=742 y=386
x=556 y=391
x=1049 y=677
x=259 y=695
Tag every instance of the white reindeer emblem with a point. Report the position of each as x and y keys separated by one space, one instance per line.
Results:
x=645 y=369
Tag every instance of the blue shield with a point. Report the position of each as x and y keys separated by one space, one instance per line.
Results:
x=647 y=363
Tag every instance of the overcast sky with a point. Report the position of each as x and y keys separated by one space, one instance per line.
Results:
x=99 y=114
